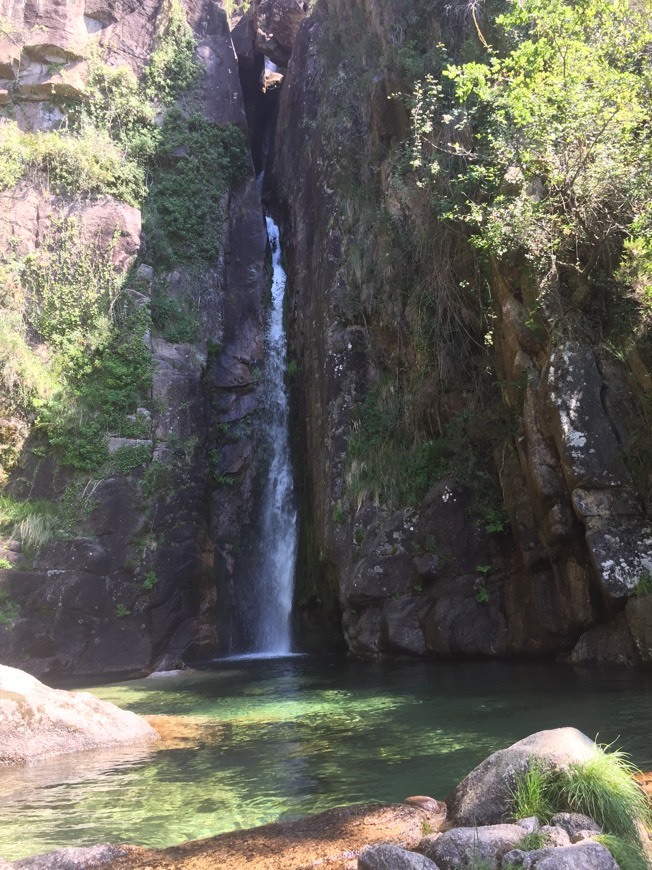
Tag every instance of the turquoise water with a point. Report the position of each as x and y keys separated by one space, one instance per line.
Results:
x=299 y=736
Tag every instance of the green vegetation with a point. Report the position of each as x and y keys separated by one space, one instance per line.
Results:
x=540 y=148
x=8 y=608
x=644 y=586
x=5 y=564
x=172 y=68
x=122 y=611
x=602 y=788
x=533 y=841
x=627 y=855
x=481 y=592
x=195 y=163
x=35 y=522
x=150 y=581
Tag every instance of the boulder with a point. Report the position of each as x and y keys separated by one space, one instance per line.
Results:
x=483 y=797
x=389 y=857
x=460 y=848
x=37 y=722
x=554 y=836
x=575 y=824
x=583 y=856
x=611 y=643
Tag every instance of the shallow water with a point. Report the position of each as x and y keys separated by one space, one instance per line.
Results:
x=302 y=736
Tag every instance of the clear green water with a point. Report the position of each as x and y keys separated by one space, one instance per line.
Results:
x=301 y=736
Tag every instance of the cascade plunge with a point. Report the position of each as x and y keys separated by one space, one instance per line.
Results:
x=273 y=583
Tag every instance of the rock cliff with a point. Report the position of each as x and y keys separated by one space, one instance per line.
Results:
x=473 y=478
x=130 y=474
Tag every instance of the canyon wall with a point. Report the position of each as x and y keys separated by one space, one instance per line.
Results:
x=473 y=484
x=134 y=526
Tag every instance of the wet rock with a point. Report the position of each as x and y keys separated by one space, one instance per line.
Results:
x=276 y=23
x=483 y=797
x=460 y=848
x=583 y=856
x=388 y=857
x=611 y=643
x=400 y=630
x=362 y=631
x=586 y=442
x=460 y=619
x=37 y=722
x=638 y=613
x=73 y=858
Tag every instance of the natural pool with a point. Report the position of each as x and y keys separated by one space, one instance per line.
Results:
x=302 y=735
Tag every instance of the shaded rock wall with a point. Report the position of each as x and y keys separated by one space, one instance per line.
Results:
x=542 y=565
x=137 y=586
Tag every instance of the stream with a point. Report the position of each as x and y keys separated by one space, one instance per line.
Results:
x=300 y=735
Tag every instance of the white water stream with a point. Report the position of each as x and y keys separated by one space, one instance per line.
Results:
x=277 y=542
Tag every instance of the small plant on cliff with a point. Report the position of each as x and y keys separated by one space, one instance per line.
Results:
x=644 y=586
x=8 y=608
x=150 y=581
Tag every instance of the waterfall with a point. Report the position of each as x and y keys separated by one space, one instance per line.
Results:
x=269 y=623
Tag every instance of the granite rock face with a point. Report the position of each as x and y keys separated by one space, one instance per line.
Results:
x=37 y=723
x=482 y=798
x=550 y=562
x=135 y=588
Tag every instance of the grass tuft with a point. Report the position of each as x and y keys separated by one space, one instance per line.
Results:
x=602 y=788
x=627 y=855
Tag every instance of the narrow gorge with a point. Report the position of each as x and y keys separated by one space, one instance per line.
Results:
x=447 y=458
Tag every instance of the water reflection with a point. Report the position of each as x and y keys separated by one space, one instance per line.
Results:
x=300 y=736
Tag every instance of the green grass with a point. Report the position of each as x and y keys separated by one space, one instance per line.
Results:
x=602 y=788
x=627 y=855
x=532 y=794
x=533 y=841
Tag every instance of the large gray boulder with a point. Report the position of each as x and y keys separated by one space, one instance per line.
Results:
x=460 y=848
x=389 y=857
x=583 y=856
x=483 y=797
x=37 y=722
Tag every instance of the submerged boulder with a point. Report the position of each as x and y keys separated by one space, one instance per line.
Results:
x=483 y=797
x=37 y=722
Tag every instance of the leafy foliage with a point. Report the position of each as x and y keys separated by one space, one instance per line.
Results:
x=172 y=68
x=195 y=163
x=544 y=145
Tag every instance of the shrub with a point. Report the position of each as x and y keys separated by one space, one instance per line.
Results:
x=194 y=166
x=172 y=68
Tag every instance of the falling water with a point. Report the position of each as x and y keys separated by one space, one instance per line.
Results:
x=277 y=543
